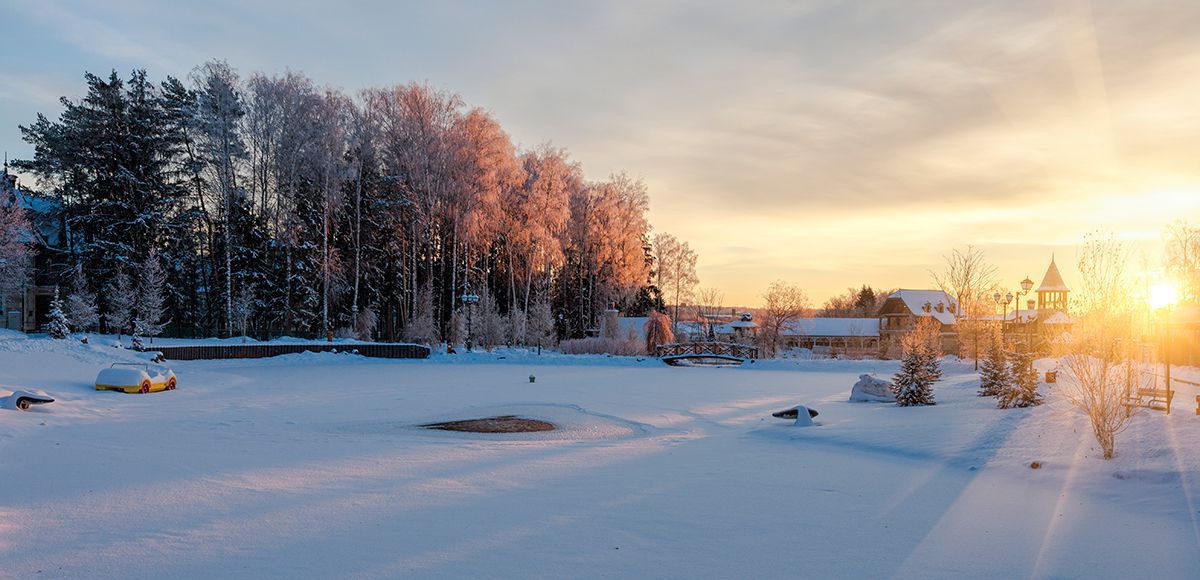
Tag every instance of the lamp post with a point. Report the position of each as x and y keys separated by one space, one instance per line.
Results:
x=469 y=301
x=1026 y=286
x=1005 y=300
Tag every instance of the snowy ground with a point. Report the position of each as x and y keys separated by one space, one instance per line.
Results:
x=310 y=465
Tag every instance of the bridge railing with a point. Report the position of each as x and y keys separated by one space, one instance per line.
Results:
x=699 y=349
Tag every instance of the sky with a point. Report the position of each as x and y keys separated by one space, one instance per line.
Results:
x=827 y=144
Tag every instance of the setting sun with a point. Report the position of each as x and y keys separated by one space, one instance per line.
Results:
x=1163 y=294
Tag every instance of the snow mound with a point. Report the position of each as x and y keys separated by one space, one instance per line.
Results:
x=869 y=389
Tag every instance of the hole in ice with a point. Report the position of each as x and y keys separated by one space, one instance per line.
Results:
x=498 y=424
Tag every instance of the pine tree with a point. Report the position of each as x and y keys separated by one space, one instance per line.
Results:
x=1022 y=391
x=994 y=374
x=59 y=327
x=919 y=368
x=136 y=339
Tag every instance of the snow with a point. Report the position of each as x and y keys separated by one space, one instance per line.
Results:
x=869 y=389
x=312 y=465
x=915 y=301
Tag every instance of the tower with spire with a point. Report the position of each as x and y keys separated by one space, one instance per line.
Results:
x=1053 y=293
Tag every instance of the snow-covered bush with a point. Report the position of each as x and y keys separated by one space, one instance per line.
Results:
x=365 y=322
x=422 y=328
x=658 y=331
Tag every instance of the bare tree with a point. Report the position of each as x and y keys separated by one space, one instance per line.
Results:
x=967 y=277
x=1182 y=246
x=676 y=270
x=708 y=306
x=1100 y=366
x=783 y=303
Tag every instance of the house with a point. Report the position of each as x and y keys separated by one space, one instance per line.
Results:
x=901 y=309
x=27 y=308
x=833 y=336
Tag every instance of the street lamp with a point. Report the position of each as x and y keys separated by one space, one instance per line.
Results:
x=1026 y=286
x=1007 y=299
x=469 y=300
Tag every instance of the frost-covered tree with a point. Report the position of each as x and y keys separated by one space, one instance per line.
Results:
x=540 y=329
x=58 y=327
x=674 y=271
x=81 y=303
x=15 y=252
x=219 y=112
x=919 y=367
x=658 y=331
x=994 y=374
x=244 y=308
x=148 y=307
x=1022 y=390
x=121 y=299
x=489 y=324
x=422 y=328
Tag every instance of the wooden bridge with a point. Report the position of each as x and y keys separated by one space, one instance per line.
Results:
x=682 y=353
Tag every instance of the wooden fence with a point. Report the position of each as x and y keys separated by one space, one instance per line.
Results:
x=229 y=351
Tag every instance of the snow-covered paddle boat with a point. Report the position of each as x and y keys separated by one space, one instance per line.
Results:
x=135 y=378
x=23 y=399
x=706 y=353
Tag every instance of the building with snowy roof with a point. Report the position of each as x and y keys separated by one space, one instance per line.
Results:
x=27 y=309
x=900 y=311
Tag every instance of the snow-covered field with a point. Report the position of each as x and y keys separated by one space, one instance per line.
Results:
x=311 y=466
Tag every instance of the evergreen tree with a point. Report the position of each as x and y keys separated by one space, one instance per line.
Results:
x=994 y=374
x=135 y=339
x=1022 y=391
x=81 y=303
x=148 y=307
x=121 y=300
x=919 y=368
x=59 y=327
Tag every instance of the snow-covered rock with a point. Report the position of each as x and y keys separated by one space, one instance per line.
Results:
x=803 y=415
x=869 y=389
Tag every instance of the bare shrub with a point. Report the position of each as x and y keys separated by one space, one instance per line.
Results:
x=1100 y=368
x=629 y=345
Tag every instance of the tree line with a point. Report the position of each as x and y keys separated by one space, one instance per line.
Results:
x=277 y=207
